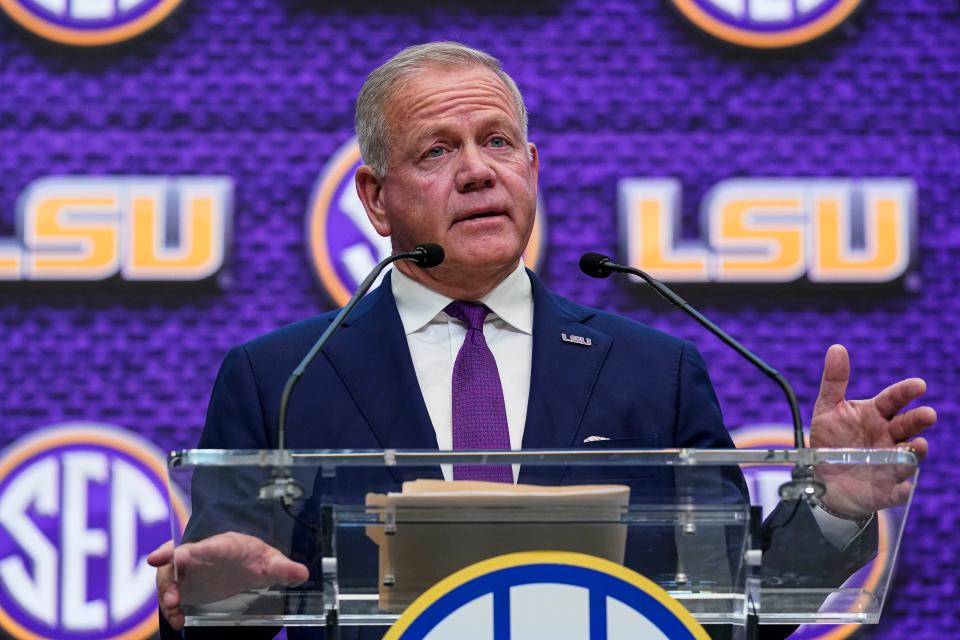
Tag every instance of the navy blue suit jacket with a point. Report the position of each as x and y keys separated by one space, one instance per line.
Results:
x=637 y=386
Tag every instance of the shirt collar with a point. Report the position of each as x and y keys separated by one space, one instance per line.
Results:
x=511 y=301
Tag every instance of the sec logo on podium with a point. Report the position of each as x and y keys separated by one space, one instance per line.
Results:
x=343 y=246
x=545 y=594
x=767 y=24
x=88 y=23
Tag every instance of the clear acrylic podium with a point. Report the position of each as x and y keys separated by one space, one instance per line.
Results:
x=375 y=529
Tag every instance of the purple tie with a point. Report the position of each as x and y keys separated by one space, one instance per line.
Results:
x=479 y=414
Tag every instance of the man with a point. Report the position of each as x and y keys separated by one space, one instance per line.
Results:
x=443 y=132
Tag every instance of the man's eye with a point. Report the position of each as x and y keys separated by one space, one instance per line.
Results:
x=498 y=142
x=435 y=152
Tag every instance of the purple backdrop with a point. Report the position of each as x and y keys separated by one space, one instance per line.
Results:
x=262 y=90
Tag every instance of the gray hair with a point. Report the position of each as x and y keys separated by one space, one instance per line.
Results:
x=370 y=119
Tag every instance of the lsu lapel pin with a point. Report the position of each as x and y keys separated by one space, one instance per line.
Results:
x=586 y=342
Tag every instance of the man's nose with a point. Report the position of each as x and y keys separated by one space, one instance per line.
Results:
x=475 y=171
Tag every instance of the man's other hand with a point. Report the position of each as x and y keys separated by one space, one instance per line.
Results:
x=872 y=424
x=216 y=568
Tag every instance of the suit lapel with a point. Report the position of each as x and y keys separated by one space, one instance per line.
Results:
x=563 y=377
x=371 y=356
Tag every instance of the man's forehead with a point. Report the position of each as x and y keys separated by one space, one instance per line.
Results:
x=450 y=94
x=481 y=119
x=433 y=81
x=440 y=73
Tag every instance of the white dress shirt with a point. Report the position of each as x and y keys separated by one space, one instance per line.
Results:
x=435 y=339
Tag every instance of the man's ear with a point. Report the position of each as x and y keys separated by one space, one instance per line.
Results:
x=370 y=190
x=534 y=159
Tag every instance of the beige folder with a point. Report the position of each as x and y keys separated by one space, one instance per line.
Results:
x=434 y=528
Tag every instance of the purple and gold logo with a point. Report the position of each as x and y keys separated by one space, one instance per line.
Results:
x=88 y=23
x=767 y=24
x=763 y=483
x=81 y=506
x=773 y=230
x=88 y=228
x=343 y=246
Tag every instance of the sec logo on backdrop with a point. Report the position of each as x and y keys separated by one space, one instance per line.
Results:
x=767 y=24
x=545 y=594
x=343 y=246
x=81 y=505
x=88 y=23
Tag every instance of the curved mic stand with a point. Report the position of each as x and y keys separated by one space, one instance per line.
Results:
x=282 y=486
x=802 y=485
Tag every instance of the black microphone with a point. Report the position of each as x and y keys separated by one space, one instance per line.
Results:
x=802 y=486
x=427 y=255
x=281 y=486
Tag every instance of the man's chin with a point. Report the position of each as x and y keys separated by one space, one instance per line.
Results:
x=483 y=273
x=485 y=262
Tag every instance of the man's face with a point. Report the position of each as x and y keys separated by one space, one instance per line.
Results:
x=460 y=172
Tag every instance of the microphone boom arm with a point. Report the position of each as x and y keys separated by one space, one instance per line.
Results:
x=282 y=486
x=802 y=485
x=751 y=357
x=600 y=266
x=422 y=255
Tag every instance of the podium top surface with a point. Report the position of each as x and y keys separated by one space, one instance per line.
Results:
x=605 y=456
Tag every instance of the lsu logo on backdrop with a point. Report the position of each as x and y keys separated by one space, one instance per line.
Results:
x=767 y=24
x=763 y=483
x=81 y=505
x=142 y=228
x=88 y=23
x=545 y=594
x=772 y=230
x=342 y=244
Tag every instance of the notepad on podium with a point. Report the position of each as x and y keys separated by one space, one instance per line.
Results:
x=432 y=528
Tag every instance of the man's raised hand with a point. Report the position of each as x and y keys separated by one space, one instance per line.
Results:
x=873 y=423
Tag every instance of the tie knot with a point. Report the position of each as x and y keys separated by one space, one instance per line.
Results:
x=470 y=313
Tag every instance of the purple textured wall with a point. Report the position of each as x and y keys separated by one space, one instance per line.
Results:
x=262 y=90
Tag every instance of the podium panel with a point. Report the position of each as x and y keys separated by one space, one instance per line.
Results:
x=343 y=538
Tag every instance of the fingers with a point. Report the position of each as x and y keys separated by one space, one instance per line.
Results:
x=226 y=545
x=237 y=550
x=168 y=597
x=891 y=400
x=284 y=571
x=174 y=616
x=912 y=423
x=836 y=375
x=161 y=555
x=920 y=448
x=901 y=492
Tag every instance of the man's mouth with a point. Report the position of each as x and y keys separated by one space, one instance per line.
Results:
x=480 y=215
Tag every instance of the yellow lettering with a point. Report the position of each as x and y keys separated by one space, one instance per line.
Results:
x=150 y=259
x=72 y=238
x=11 y=262
x=648 y=210
x=884 y=256
x=759 y=240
